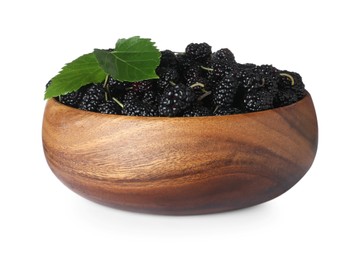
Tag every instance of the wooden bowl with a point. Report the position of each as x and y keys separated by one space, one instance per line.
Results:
x=180 y=166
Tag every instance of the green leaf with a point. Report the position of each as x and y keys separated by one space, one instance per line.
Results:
x=80 y=72
x=134 y=59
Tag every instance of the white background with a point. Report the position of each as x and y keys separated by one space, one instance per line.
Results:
x=42 y=219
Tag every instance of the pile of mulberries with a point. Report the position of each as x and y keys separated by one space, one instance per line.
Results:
x=197 y=82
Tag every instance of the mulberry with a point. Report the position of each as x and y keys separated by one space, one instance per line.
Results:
x=175 y=100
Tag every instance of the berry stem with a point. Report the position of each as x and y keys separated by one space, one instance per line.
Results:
x=197 y=84
x=262 y=82
x=206 y=68
x=207 y=93
x=289 y=76
x=118 y=102
x=214 y=111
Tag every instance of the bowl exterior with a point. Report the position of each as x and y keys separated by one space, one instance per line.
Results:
x=180 y=166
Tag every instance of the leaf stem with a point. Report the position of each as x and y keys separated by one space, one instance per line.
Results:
x=105 y=81
x=106 y=87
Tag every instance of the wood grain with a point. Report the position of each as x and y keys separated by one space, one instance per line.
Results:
x=180 y=166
